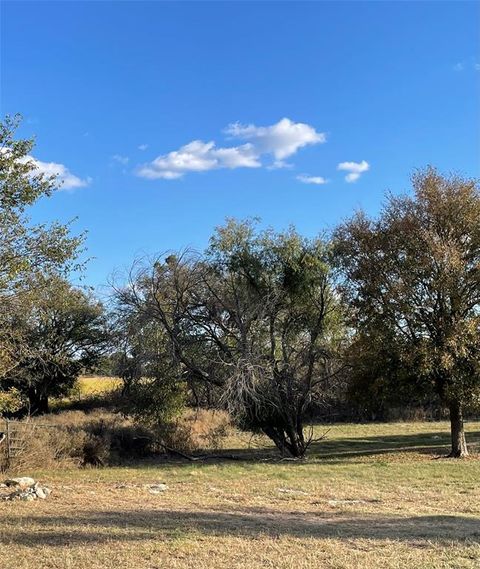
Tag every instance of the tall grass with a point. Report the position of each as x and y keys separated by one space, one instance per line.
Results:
x=102 y=438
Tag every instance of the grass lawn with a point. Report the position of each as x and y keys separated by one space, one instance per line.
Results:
x=370 y=496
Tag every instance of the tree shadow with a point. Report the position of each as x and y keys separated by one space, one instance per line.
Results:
x=430 y=443
x=93 y=527
x=423 y=443
x=335 y=451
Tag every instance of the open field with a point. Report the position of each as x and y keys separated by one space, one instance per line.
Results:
x=87 y=388
x=95 y=385
x=377 y=499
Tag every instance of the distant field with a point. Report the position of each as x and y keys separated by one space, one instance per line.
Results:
x=95 y=385
x=370 y=496
x=86 y=388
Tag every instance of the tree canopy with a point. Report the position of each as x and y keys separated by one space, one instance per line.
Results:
x=413 y=278
x=256 y=316
x=28 y=252
x=66 y=332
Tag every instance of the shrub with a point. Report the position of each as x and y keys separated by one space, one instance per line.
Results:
x=102 y=438
x=196 y=430
x=75 y=438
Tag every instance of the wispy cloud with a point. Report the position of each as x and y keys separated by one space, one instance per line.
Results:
x=354 y=169
x=279 y=165
x=142 y=146
x=66 y=180
x=467 y=64
x=124 y=160
x=306 y=179
x=278 y=141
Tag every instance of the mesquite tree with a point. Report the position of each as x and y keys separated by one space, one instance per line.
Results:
x=255 y=316
x=415 y=272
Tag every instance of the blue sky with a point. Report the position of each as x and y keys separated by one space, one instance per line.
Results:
x=116 y=92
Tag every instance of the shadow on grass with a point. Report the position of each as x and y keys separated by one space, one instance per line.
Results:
x=424 y=443
x=94 y=527
x=335 y=451
x=432 y=443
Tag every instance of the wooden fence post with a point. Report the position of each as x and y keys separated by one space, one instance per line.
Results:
x=7 y=430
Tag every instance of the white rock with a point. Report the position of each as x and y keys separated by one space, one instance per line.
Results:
x=292 y=491
x=39 y=491
x=157 y=488
x=22 y=482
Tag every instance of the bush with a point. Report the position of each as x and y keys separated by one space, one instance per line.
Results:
x=196 y=430
x=11 y=401
x=102 y=438
x=75 y=438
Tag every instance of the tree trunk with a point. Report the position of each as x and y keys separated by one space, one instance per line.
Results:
x=38 y=403
x=286 y=440
x=459 y=444
x=275 y=436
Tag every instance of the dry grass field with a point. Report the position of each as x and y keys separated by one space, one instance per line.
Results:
x=89 y=385
x=370 y=496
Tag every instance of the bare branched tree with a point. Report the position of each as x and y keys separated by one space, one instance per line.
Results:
x=255 y=316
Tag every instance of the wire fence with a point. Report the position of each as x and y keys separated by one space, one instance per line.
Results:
x=14 y=439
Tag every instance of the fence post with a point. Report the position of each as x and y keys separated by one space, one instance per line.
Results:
x=7 y=430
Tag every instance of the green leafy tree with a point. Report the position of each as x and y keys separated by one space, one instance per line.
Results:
x=66 y=331
x=152 y=382
x=28 y=253
x=413 y=276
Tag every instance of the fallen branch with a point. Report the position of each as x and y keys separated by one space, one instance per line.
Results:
x=200 y=457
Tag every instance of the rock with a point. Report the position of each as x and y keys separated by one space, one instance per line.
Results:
x=292 y=491
x=40 y=492
x=25 y=488
x=157 y=488
x=21 y=482
x=27 y=496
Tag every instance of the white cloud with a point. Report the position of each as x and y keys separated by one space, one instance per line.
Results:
x=354 y=169
x=318 y=180
x=143 y=147
x=198 y=156
x=121 y=159
x=460 y=66
x=280 y=141
x=65 y=178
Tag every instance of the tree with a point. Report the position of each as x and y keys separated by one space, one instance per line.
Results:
x=66 y=332
x=28 y=253
x=255 y=316
x=413 y=275
x=152 y=381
